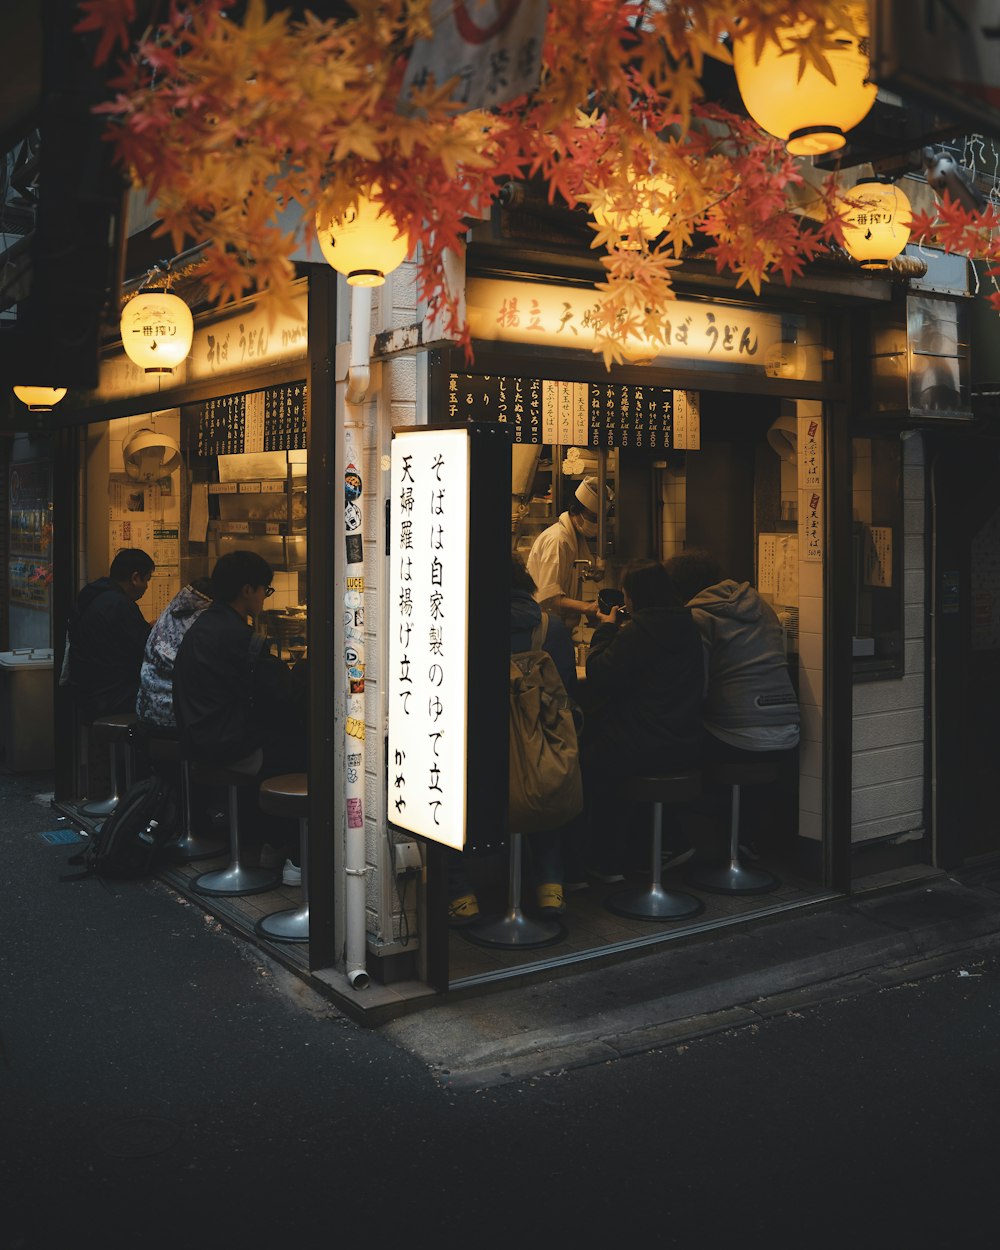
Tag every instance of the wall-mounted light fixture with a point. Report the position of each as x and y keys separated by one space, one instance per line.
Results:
x=365 y=244
x=876 y=217
x=157 y=331
x=40 y=398
x=791 y=99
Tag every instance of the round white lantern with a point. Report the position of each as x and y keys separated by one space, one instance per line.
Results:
x=157 y=331
x=876 y=217
x=647 y=208
x=365 y=244
x=805 y=109
x=40 y=398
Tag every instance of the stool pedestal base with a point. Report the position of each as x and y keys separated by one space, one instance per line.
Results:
x=189 y=849
x=237 y=880
x=734 y=878
x=515 y=931
x=654 y=903
x=290 y=925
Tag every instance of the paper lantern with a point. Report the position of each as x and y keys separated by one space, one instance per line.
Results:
x=876 y=217
x=808 y=111
x=365 y=244
x=40 y=398
x=646 y=208
x=157 y=331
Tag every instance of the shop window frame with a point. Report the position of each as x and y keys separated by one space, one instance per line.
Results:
x=878 y=609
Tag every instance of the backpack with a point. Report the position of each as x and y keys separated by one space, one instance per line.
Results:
x=546 y=788
x=129 y=839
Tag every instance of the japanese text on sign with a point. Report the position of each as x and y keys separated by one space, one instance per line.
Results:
x=730 y=336
x=428 y=633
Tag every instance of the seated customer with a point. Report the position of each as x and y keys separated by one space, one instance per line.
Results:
x=155 y=702
x=750 y=711
x=642 y=702
x=237 y=704
x=107 y=637
x=545 y=847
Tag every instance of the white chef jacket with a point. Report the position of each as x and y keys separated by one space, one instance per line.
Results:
x=550 y=561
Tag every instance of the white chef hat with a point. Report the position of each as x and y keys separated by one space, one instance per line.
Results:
x=587 y=494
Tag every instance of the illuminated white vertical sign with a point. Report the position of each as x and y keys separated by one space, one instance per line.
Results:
x=428 y=633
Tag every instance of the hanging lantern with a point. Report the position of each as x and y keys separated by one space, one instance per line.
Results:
x=40 y=398
x=157 y=331
x=792 y=100
x=365 y=244
x=876 y=218
x=647 y=208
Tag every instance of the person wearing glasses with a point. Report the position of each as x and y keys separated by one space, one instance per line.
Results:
x=237 y=704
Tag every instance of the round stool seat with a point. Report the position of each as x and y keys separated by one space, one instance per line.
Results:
x=221 y=774
x=668 y=788
x=742 y=772
x=287 y=795
x=115 y=728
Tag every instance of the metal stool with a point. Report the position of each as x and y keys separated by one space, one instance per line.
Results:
x=514 y=928
x=117 y=730
x=654 y=902
x=288 y=796
x=234 y=878
x=188 y=846
x=735 y=877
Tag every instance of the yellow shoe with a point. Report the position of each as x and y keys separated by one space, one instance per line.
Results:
x=463 y=910
x=550 y=898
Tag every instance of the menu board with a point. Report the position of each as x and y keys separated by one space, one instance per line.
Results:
x=581 y=414
x=273 y=419
x=29 y=568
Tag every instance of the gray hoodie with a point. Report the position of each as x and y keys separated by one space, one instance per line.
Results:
x=748 y=688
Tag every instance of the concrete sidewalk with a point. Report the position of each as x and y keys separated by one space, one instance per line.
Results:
x=727 y=980
x=895 y=928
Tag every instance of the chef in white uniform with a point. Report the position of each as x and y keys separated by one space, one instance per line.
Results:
x=551 y=560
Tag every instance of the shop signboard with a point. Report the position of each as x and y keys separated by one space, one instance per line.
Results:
x=253 y=337
x=448 y=670
x=273 y=419
x=579 y=414
x=720 y=338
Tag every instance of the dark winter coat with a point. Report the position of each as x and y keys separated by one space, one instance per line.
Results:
x=107 y=637
x=643 y=694
x=231 y=696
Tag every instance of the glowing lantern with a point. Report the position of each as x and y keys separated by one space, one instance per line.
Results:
x=876 y=218
x=792 y=100
x=157 y=331
x=365 y=244
x=647 y=208
x=40 y=398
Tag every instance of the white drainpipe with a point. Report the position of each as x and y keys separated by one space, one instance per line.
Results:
x=358 y=379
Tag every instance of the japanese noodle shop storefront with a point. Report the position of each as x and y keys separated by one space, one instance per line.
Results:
x=728 y=440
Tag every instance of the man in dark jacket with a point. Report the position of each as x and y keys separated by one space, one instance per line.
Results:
x=107 y=637
x=237 y=704
x=233 y=699
x=642 y=701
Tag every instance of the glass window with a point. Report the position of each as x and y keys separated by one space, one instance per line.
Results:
x=877 y=557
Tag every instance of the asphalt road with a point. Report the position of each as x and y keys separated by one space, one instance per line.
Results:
x=163 y=1084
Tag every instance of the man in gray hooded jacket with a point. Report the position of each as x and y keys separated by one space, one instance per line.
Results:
x=750 y=703
x=750 y=710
